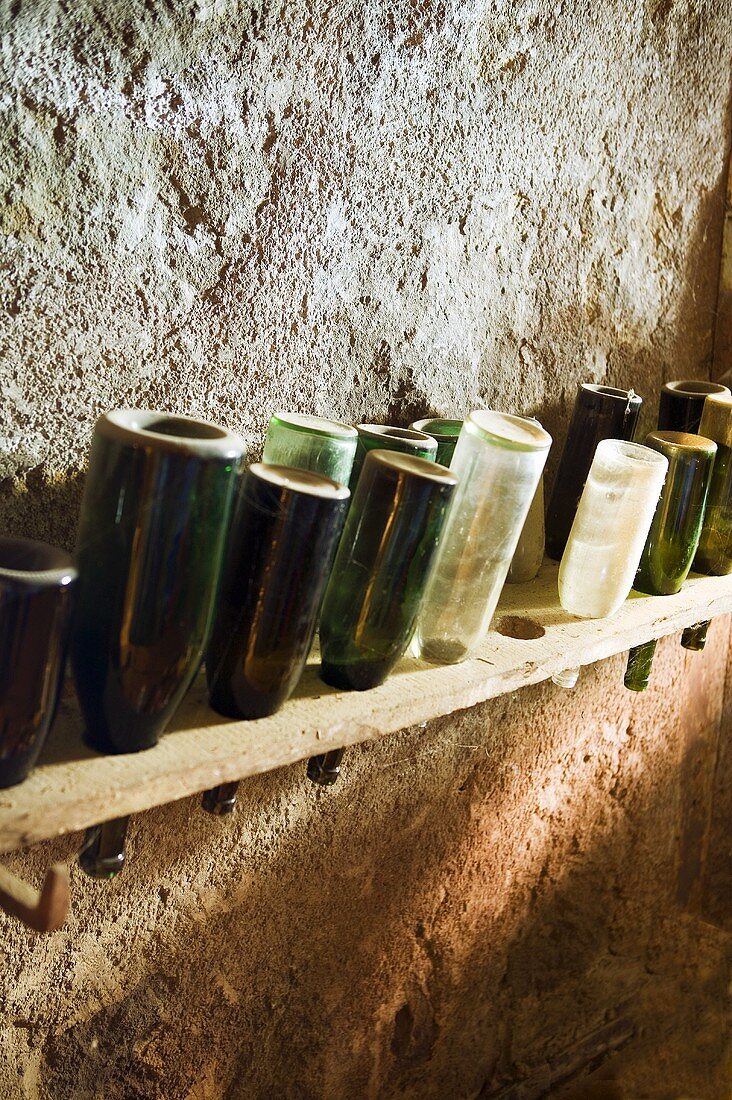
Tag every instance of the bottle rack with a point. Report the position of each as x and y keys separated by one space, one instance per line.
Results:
x=532 y=639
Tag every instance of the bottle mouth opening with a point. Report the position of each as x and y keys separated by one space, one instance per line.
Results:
x=694 y=388
x=318 y=425
x=388 y=431
x=34 y=559
x=181 y=428
x=449 y=429
x=611 y=391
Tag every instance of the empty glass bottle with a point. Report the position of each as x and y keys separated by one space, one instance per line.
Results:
x=284 y=536
x=498 y=459
x=37 y=584
x=154 y=520
x=378 y=577
x=325 y=447
x=680 y=404
x=379 y=573
x=383 y=437
x=609 y=531
x=714 y=555
x=529 y=552
x=674 y=535
x=102 y=854
x=444 y=432
x=600 y=412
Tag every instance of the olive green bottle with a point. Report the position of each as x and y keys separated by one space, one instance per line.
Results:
x=379 y=576
x=444 y=432
x=384 y=437
x=714 y=556
x=674 y=535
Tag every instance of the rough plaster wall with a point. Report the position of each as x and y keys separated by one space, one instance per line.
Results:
x=371 y=210
x=374 y=210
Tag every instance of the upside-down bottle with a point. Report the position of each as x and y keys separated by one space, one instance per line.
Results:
x=609 y=531
x=378 y=578
x=313 y=443
x=286 y=530
x=714 y=556
x=674 y=534
x=444 y=432
x=499 y=459
x=681 y=404
x=600 y=412
x=385 y=437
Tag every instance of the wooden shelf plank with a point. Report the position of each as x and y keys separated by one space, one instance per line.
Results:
x=73 y=787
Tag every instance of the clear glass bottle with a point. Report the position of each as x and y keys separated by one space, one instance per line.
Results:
x=444 y=432
x=499 y=459
x=600 y=412
x=674 y=535
x=313 y=443
x=384 y=437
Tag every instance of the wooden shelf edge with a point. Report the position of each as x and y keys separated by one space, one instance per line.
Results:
x=73 y=788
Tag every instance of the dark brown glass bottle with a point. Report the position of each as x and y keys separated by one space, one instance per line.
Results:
x=600 y=412
x=681 y=404
x=285 y=534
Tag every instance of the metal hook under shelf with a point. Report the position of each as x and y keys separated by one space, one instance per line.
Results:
x=45 y=911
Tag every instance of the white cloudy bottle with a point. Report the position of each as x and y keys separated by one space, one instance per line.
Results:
x=609 y=531
x=499 y=459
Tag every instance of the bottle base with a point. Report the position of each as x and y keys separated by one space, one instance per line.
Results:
x=567 y=678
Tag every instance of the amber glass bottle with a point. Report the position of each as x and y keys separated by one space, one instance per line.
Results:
x=714 y=555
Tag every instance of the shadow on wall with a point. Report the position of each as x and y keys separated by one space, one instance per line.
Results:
x=36 y=507
x=446 y=921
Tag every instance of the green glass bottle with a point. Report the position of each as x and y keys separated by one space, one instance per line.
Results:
x=312 y=443
x=379 y=575
x=674 y=535
x=102 y=855
x=381 y=567
x=444 y=432
x=714 y=556
x=384 y=437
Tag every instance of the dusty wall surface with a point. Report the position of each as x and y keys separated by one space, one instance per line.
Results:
x=374 y=211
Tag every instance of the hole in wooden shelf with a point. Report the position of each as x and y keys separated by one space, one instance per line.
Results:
x=517 y=626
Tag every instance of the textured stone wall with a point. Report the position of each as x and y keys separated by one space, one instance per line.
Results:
x=375 y=211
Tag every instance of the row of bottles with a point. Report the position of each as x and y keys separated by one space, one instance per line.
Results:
x=364 y=532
